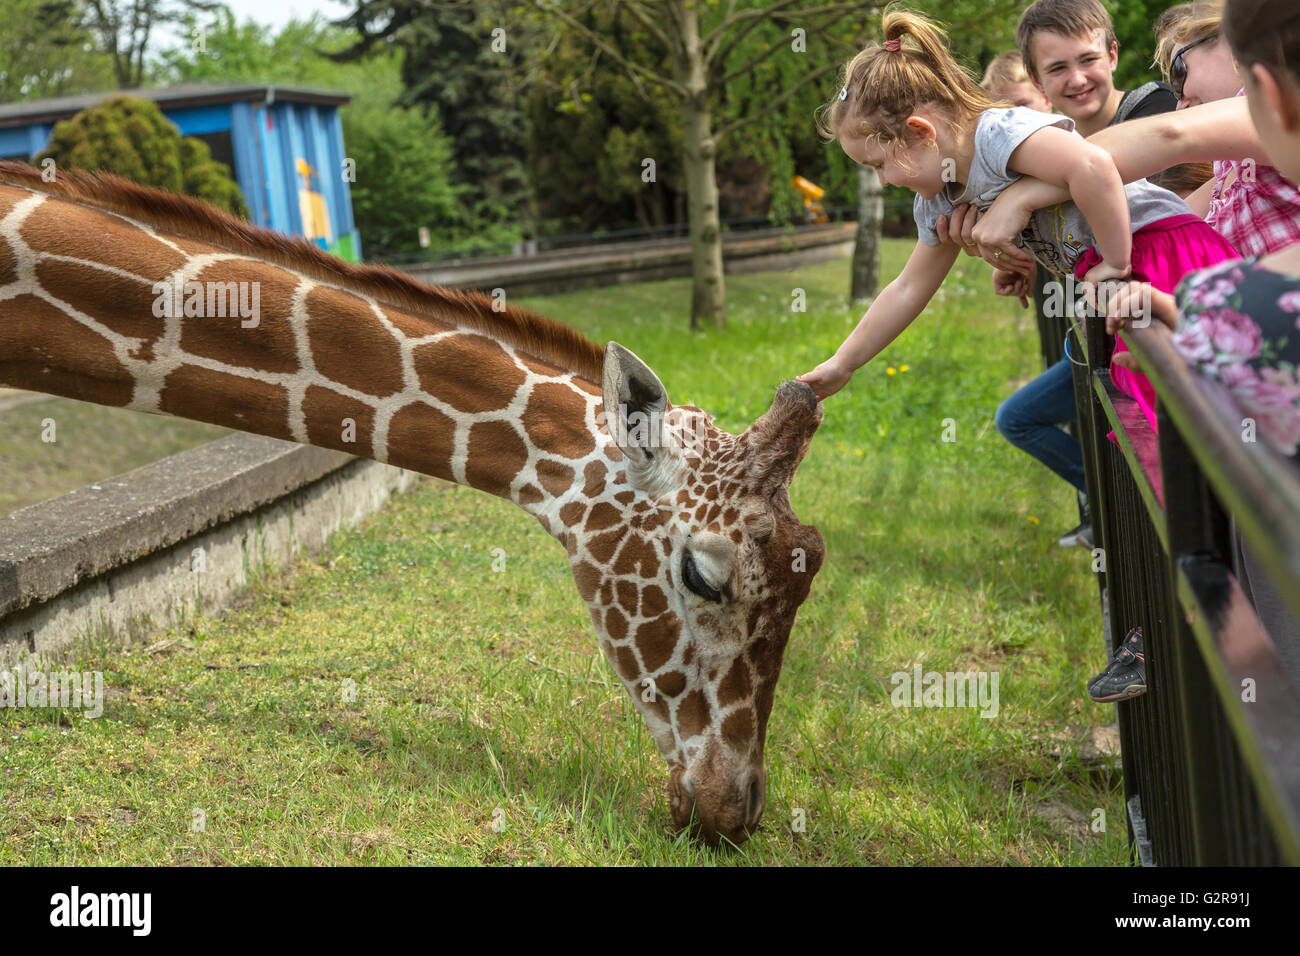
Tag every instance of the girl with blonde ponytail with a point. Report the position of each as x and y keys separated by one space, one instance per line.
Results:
x=910 y=111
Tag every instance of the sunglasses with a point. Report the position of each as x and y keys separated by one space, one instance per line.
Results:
x=1178 y=69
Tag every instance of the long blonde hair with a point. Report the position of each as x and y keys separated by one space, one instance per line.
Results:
x=882 y=87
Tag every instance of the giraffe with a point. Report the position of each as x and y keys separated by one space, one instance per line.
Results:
x=680 y=537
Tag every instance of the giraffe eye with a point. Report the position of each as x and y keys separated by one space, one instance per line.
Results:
x=695 y=581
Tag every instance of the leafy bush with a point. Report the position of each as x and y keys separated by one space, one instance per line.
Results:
x=132 y=138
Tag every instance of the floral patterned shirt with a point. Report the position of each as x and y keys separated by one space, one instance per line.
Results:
x=1239 y=324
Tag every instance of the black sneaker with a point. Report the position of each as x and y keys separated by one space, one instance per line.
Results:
x=1080 y=536
x=1126 y=674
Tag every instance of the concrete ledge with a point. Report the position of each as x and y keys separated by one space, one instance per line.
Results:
x=130 y=556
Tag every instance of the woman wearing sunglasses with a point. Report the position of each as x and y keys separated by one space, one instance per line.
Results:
x=1253 y=206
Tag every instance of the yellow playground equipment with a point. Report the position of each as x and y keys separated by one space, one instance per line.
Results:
x=311 y=205
x=811 y=194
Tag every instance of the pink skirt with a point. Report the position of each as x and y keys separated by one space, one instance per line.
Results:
x=1163 y=253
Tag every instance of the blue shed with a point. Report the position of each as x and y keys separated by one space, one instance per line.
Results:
x=283 y=144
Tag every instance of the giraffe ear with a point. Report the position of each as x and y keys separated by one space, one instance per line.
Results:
x=635 y=402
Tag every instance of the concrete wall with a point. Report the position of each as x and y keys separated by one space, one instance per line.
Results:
x=121 y=560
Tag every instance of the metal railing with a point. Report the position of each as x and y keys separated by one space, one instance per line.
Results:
x=573 y=241
x=1211 y=753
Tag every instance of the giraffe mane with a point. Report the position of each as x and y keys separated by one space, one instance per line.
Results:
x=191 y=218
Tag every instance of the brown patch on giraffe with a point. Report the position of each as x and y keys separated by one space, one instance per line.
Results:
x=657 y=639
x=766 y=658
x=540 y=368
x=625 y=497
x=606 y=595
x=531 y=495
x=268 y=346
x=346 y=348
x=11 y=197
x=587 y=577
x=692 y=714
x=738 y=730
x=638 y=554
x=31 y=352
x=670 y=684
x=602 y=546
x=94 y=236
x=688 y=655
x=555 y=420
x=186 y=220
x=602 y=515
x=8 y=262
x=324 y=412
x=615 y=623
x=572 y=513
x=224 y=399
x=658 y=706
x=735 y=686
x=625 y=660
x=627 y=595
x=555 y=477
x=419 y=434
x=653 y=601
x=496 y=455
x=124 y=307
x=594 y=474
x=492 y=385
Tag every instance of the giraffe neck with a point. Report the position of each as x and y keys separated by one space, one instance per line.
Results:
x=100 y=306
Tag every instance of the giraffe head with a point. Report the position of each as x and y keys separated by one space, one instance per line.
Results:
x=693 y=566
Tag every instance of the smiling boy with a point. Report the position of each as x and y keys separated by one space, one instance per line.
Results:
x=1071 y=54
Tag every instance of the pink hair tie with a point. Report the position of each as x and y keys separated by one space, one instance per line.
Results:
x=893 y=46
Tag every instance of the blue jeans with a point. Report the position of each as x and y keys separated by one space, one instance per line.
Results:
x=1029 y=420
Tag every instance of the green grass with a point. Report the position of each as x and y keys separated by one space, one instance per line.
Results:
x=91 y=442
x=478 y=692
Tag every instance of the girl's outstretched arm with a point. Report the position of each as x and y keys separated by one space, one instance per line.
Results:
x=893 y=310
x=1060 y=158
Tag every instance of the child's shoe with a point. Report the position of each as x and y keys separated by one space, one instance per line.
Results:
x=1126 y=674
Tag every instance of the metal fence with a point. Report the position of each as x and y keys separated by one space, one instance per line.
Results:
x=578 y=241
x=1211 y=753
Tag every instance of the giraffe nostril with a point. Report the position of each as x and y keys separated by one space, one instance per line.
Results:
x=688 y=787
x=754 y=801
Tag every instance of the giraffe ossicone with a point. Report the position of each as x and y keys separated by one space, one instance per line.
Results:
x=680 y=537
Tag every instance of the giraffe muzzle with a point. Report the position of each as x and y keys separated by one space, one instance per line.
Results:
x=718 y=810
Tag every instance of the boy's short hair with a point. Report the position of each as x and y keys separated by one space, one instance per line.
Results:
x=1067 y=17
x=1183 y=24
x=1007 y=69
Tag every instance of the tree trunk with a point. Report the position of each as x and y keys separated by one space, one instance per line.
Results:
x=866 y=251
x=708 y=294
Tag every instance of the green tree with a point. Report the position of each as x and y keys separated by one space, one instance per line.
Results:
x=124 y=29
x=44 y=51
x=464 y=64
x=1137 y=44
x=403 y=159
x=132 y=138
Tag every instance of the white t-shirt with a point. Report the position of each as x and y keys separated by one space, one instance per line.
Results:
x=1057 y=235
